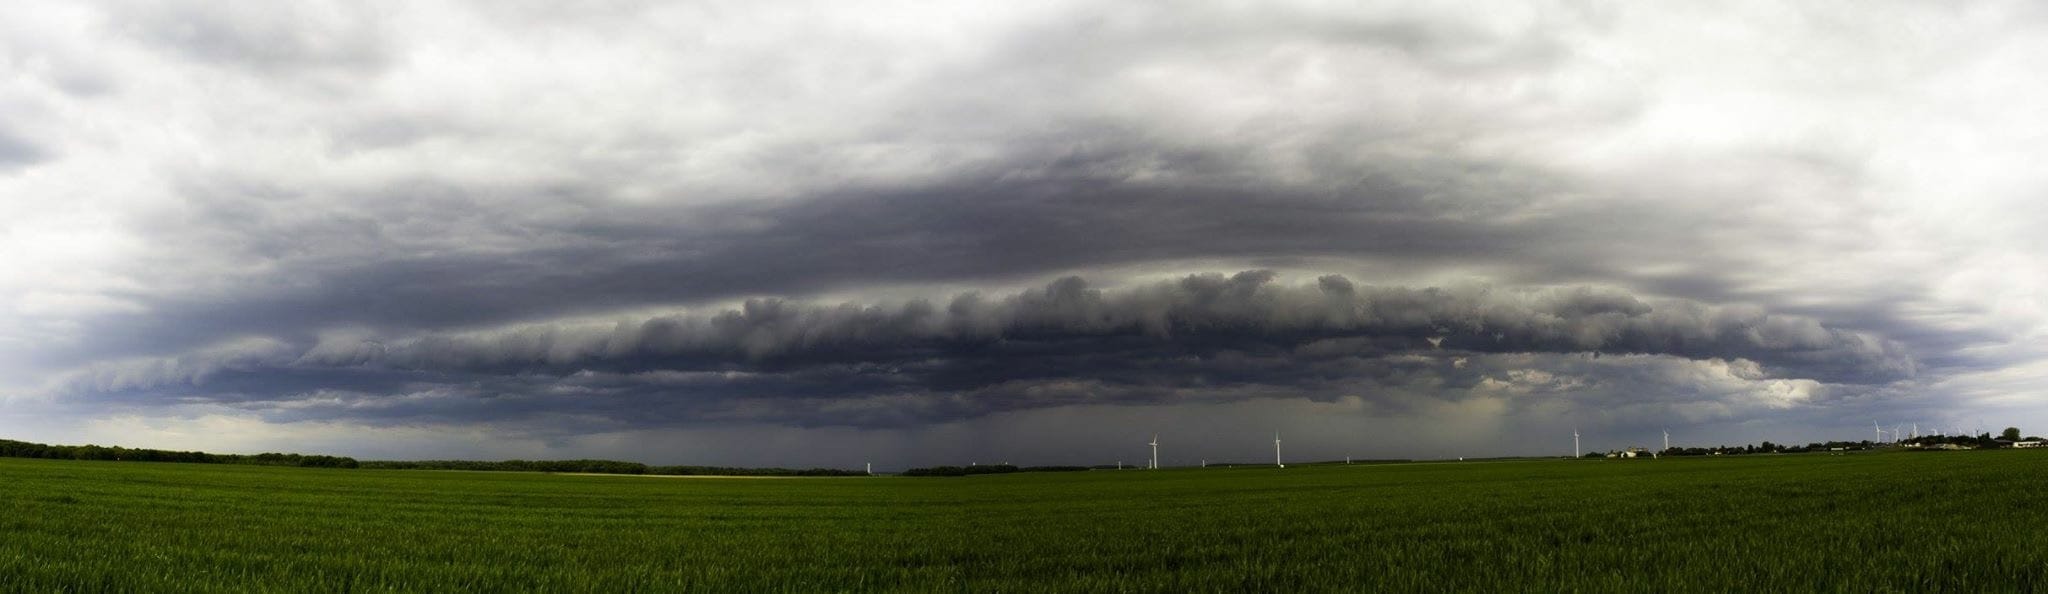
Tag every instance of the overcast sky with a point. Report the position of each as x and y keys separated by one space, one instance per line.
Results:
x=822 y=234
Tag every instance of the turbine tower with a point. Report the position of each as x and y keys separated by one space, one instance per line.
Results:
x=1879 y=430
x=1155 y=451
x=1667 y=439
x=1276 y=450
x=1575 y=443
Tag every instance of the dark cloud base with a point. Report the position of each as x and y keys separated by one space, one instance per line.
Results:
x=1202 y=338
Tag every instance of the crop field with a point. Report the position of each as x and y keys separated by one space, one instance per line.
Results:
x=1961 y=521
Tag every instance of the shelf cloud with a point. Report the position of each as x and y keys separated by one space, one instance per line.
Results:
x=1203 y=336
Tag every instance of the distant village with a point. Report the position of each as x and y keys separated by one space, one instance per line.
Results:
x=2010 y=438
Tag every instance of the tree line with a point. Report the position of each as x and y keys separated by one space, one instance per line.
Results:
x=1981 y=441
x=1770 y=448
x=601 y=467
x=21 y=449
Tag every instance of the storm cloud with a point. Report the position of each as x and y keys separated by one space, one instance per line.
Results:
x=519 y=229
x=1205 y=337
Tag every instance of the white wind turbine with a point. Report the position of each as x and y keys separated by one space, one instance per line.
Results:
x=1575 y=443
x=1276 y=450
x=1667 y=439
x=1155 y=451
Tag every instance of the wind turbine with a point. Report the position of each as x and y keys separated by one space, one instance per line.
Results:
x=1276 y=450
x=1155 y=451
x=1575 y=443
x=1667 y=439
x=1880 y=432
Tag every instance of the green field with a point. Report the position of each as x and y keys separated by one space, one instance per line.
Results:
x=1960 y=521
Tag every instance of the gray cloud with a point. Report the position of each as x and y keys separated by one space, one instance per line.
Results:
x=823 y=215
x=1206 y=337
x=17 y=152
x=358 y=270
x=1070 y=182
x=270 y=40
x=1243 y=308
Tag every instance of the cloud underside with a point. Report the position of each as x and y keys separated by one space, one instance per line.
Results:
x=1201 y=338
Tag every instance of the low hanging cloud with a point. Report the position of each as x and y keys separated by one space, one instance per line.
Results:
x=1203 y=337
x=1198 y=312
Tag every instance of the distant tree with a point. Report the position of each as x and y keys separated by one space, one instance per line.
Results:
x=2010 y=434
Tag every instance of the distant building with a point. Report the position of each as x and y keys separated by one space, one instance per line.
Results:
x=2031 y=443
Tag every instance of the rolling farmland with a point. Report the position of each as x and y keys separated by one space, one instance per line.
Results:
x=1876 y=522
